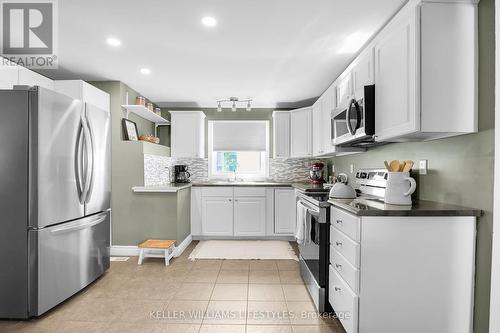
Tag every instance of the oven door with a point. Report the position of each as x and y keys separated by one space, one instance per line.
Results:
x=314 y=257
x=315 y=254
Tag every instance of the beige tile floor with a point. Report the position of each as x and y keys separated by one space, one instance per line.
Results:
x=208 y=296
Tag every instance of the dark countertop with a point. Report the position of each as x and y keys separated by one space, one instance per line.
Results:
x=363 y=207
x=309 y=187
x=242 y=183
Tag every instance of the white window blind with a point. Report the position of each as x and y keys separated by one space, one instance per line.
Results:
x=239 y=135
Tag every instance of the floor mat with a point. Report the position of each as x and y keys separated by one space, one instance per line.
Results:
x=243 y=249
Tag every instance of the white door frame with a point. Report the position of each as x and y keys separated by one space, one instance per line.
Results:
x=495 y=263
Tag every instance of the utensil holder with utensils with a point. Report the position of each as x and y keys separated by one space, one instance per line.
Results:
x=400 y=186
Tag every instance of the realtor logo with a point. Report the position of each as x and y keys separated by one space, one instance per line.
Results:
x=28 y=32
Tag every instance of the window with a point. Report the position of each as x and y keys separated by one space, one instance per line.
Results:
x=239 y=148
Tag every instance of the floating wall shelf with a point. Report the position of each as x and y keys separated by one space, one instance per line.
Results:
x=144 y=112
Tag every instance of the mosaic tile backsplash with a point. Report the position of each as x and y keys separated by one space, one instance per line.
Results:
x=156 y=169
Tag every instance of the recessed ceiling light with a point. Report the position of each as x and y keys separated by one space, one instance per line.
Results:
x=209 y=21
x=113 y=41
x=354 y=42
x=145 y=71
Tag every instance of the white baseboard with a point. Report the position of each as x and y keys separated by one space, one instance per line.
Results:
x=132 y=251
x=283 y=238
x=124 y=251
x=183 y=245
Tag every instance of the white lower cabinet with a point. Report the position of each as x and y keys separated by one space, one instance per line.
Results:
x=284 y=211
x=217 y=216
x=249 y=216
x=344 y=300
x=397 y=274
x=241 y=212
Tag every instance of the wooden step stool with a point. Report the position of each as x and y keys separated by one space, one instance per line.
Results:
x=151 y=247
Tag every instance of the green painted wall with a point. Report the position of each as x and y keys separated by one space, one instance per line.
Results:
x=461 y=168
x=139 y=216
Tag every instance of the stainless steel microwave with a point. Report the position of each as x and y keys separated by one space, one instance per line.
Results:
x=355 y=125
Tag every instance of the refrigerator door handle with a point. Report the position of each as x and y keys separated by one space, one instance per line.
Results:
x=79 y=163
x=92 y=167
x=79 y=226
x=89 y=162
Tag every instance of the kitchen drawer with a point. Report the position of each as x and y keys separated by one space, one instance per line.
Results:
x=249 y=191
x=343 y=301
x=346 y=270
x=216 y=191
x=346 y=246
x=347 y=223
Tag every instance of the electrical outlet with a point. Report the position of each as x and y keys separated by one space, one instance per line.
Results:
x=423 y=167
x=352 y=168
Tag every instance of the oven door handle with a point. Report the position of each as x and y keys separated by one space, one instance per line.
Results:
x=310 y=209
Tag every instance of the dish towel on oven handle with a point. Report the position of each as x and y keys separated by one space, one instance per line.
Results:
x=303 y=229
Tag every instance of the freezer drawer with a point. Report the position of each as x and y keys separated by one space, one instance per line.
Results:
x=65 y=258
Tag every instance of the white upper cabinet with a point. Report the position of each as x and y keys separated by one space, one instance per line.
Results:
x=395 y=69
x=29 y=78
x=343 y=88
x=426 y=72
x=328 y=105
x=318 y=128
x=9 y=74
x=301 y=132
x=188 y=134
x=12 y=74
x=281 y=134
x=363 y=72
x=83 y=91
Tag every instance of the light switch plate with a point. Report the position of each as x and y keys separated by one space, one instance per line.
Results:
x=423 y=166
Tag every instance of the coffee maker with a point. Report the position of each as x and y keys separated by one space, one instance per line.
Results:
x=181 y=173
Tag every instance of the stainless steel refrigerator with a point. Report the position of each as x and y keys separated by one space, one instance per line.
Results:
x=55 y=188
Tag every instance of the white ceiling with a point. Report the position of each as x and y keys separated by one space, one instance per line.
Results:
x=275 y=51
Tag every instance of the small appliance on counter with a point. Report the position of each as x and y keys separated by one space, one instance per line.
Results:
x=316 y=172
x=341 y=190
x=181 y=174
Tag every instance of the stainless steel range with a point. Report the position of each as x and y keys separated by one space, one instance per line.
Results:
x=371 y=183
x=314 y=255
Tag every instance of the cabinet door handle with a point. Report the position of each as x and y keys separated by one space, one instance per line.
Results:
x=339 y=222
x=337 y=288
x=235 y=200
x=339 y=266
x=230 y=200
x=338 y=243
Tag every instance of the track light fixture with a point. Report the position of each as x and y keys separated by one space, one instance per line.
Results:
x=233 y=101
